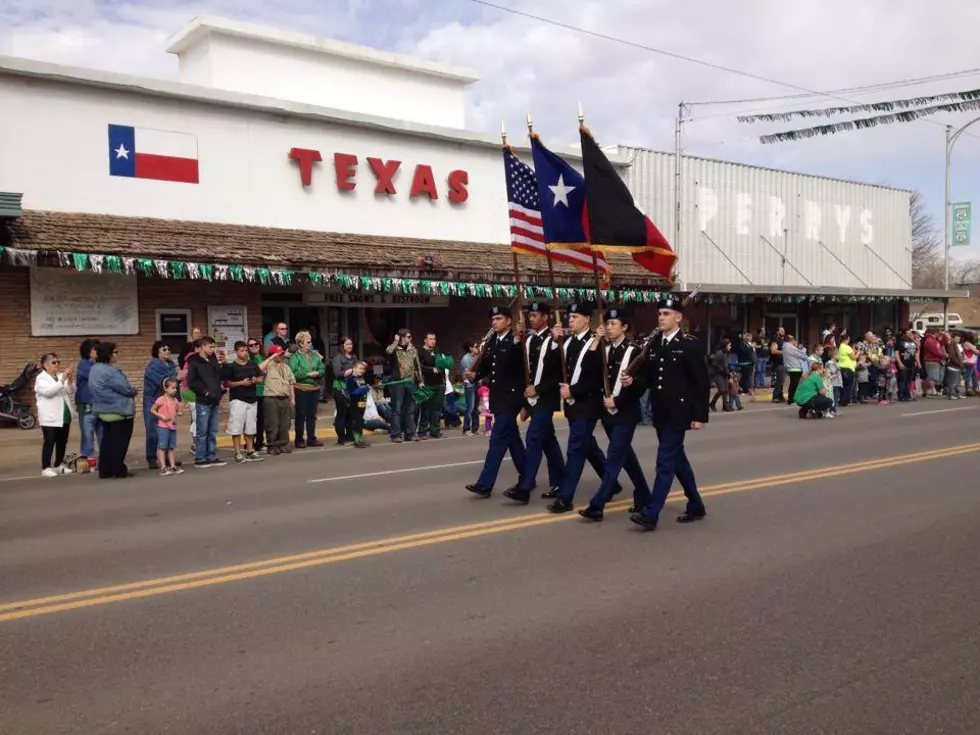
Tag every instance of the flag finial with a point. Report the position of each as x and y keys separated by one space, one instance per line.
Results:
x=581 y=114
x=503 y=132
x=530 y=123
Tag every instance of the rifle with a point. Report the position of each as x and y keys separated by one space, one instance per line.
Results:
x=649 y=341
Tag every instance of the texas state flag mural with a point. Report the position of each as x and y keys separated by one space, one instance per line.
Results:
x=143 y=153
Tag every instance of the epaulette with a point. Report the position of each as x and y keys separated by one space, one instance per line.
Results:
x=690 y=336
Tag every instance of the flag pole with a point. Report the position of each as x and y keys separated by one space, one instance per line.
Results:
x=556 y=308
x=517 y=280
x=595 y=274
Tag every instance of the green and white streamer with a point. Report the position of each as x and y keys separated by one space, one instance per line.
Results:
x=906 y=104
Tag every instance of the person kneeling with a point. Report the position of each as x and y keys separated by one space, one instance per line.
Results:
x=811 y=395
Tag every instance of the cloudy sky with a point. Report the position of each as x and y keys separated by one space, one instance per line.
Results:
x=630 y=94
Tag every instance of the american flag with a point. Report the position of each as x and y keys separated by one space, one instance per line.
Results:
x=526 y=230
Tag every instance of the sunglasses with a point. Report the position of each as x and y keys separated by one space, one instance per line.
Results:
x=253 y=344
x=55 y=362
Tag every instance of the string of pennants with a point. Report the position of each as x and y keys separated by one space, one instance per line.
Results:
x=187 y=270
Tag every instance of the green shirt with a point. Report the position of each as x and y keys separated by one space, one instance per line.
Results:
x=259 y=387
x=302 y=364
x=808 y=388
x=108 y=418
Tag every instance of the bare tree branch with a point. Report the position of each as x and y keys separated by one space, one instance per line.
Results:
x=927 y=265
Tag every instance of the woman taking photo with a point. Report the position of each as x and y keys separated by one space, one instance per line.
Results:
x=113 y=401
x=343 y=367
x=54 y=413
x=307 y=367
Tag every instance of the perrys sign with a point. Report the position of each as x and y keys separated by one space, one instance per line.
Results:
x=383 y=172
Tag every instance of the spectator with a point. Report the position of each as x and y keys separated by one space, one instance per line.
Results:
x=54 y=413
x=778 y=365
x=848 y=362
x=204 y=379
x=358 y=389
x=933 y=357
x=343 y=367
x=166 y=410
x=832 y=369
x=190 y=348
x=242 y=376
x=406 y=374
x=376 y=412
x=279 y=399
x=811 y=395
x=278 y=336
x=907 y=361
x=862 y=374
x=159 y=369
x=307 y=367
x=88 y=422
x=718 y=371
x=969 y=368
x=113 y=401
x=762 y=358
x=797 y=364
x=954 y=366
x=471 y=415
x=745 y=354
x=430 y=410
x=256 y=356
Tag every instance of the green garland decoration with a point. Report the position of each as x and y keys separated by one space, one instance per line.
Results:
x=890 y=106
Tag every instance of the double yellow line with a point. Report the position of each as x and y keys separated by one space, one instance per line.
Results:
x=207 y=578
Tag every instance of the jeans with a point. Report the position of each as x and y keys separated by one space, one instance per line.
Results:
x=306 y=405
x=953 y=382
x=970 y=376
x=847 y=377
x=402 y=411
x=906 y=379
x=206 y=444
x=150 y=424
x=778 y=380
x=91 y=429
x=760 y=372
x=471 y=417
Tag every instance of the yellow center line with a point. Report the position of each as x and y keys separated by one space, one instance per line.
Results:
x=278 y=565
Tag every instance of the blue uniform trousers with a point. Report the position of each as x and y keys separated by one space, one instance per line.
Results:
x=542 y=442
x=620 y=456
x=672 y=462
x=504 y=436
x=582 y=448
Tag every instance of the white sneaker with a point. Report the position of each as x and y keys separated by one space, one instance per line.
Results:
x=49 y=472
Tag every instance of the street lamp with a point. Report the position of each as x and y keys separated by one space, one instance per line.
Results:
x=951 y=137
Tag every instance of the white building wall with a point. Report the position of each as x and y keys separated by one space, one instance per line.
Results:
x=737 y=206
x=55 y=151
x=284 y=72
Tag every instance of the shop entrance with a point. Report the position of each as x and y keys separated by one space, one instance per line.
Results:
x=789 y=322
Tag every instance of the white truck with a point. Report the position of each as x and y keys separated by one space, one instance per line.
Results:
x=934 y=320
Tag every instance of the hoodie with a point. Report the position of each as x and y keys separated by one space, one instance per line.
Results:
x=204 y=379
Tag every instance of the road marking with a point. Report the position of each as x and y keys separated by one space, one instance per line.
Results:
x=153 y=587
x=399 y=471
x=941 y=410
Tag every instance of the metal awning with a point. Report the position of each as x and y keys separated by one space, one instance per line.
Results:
x=760 y=290
x=10 y=205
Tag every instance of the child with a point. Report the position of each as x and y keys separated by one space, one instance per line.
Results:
x=836 y=379
x=884 y=375
x=817 y=358
x=358 y=388
x=483 y=393
x=863 y=375
x=166 y=409
x=734 y=399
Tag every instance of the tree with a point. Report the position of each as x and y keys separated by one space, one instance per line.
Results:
x=927 y=261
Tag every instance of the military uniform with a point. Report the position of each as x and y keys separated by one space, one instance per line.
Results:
x=677 y=373
x=582 y=411
x=502 y=365
x=619 y=424
x=544 y=364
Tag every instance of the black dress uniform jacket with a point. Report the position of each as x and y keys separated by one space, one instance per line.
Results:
x=677 y=374
x=587 y=392
x=628 y=401
x=549 y=399
x=503 y=365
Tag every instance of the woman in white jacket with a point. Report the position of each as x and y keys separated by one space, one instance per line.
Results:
x=54 y=413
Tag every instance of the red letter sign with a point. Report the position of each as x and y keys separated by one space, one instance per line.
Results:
x=384 y=171
x=423 y=183
x=345 y=164
x=457 y=186
x=305 y=158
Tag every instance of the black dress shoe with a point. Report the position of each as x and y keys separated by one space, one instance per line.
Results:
x=551 y=492
x=591 y=514
x=691 y=517
x=483 y=492
x=515 y=493
x=645 y=523
x=560 y=506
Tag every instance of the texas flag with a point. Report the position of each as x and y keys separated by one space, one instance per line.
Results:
x=142 y=153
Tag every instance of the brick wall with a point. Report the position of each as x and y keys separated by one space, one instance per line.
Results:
x=18 y=347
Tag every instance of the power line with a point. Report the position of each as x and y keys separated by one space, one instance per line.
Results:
x=673 y=55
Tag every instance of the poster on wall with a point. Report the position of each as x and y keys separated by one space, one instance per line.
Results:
x=227 y=324
x=69 y=303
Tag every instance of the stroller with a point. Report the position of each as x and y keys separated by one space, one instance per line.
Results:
x=10 y=409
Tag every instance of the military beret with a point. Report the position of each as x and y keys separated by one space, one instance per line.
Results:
x=615 y=313
x=674 y=303
x=582 y=309
x=499 y=311
x=540 y=307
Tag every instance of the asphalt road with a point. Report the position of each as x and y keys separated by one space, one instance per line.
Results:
x=834 y=588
